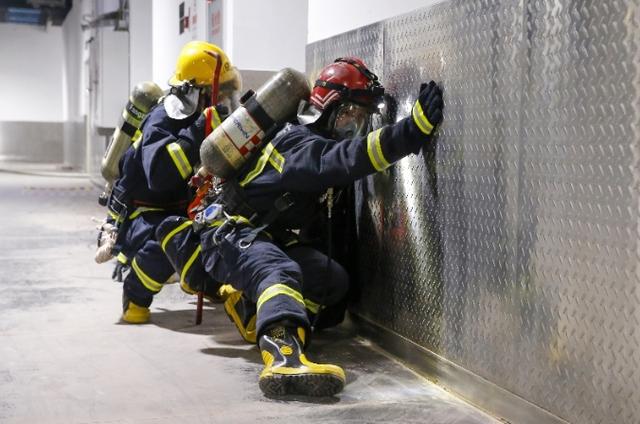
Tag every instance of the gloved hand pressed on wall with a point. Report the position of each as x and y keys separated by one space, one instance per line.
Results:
x=427 y=110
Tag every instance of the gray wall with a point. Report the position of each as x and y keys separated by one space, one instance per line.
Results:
x=510 y=246
x=75 y=143
x=31 y=110
x=31 y=141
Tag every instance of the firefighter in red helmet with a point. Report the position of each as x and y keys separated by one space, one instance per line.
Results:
x=345 y=95
x=274 y=198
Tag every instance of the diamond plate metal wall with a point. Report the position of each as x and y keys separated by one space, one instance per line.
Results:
x=511 y=246
x=365 y=42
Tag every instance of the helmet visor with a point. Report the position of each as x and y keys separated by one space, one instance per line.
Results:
x=351 y=120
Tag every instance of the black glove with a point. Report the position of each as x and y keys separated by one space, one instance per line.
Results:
x=118 y=271
x=427 y=111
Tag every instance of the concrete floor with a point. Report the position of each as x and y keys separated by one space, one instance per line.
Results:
x=66 y=358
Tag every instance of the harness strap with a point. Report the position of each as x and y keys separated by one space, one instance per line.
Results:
x=282 y=204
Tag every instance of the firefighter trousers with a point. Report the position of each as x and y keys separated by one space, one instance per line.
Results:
x=286 y=283
x=150 y=268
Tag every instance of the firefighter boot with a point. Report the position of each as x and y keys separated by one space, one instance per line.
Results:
x=242 y=313
x=287 y=370
x=132 y=313
x=225 y=291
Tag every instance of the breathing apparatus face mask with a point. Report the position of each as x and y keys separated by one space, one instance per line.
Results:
x=183 y=101
x=351 y=120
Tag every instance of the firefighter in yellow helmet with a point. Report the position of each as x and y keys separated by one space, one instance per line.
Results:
x=156 y=169
x=205 y=67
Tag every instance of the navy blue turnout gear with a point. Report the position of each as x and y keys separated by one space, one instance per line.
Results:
x=287 y=281
x=150 y=268
x=181 y=245
x=250 y=240
x=304 y=164
x=154 y=185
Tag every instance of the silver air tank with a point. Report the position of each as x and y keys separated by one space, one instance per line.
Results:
x=143 y=97
x=231 y=144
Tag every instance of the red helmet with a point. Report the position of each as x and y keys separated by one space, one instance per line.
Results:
x=346 y=79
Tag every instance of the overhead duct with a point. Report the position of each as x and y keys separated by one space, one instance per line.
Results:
x=35 y=12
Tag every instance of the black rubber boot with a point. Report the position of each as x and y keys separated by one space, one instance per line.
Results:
x=287 y=370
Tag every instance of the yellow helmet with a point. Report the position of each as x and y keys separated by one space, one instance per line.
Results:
x=197 y=63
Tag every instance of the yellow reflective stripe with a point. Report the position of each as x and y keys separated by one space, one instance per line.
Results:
x=276 y=160
x=374 y=149
x=187 y=266
x=115 y=216
x=180 y=160
x=187 y=289
x=173 y=232
x=143 y=209
x=147 y=281
x=277 y=290
x=312 y=306
x=421 y=119
x=136 y=137
x=215 y=119
x=270 y=154
x=122 y=258
x=264 y=157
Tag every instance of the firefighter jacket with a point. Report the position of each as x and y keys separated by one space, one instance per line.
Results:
x=156 y=169
x=305 y=164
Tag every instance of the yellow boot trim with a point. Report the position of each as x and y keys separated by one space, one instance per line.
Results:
x=249 y=332
x=307 y=367
x=225 y=291
x=136 y=314
x=267 y=358
x=302 y=335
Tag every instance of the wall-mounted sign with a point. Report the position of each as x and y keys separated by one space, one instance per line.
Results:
x=188 y=15
x=184 y=17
